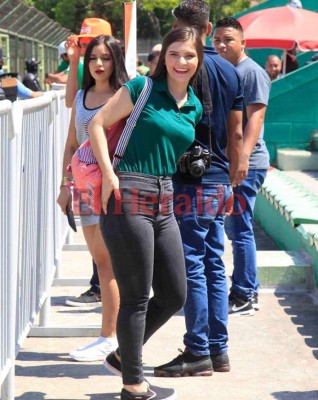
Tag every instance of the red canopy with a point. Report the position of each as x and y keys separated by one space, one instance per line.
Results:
x=281 y=28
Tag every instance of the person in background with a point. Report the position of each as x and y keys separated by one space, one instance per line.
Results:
x=104 y=74
x=74 y=47
x=30 y=79
x=295 y=3
x=141 y=68
x=62 y=53
x=23 y=92
x=92 y=296
x=228 y=39
x=63 y=66
x=273 y=67
x=145 y=245
x=153 y=59
x=156 y=47
x=202 y=222
x=291 y=60
x=61 y=76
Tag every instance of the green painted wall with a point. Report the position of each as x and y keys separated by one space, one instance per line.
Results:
x=292 y=112
x=304 y=57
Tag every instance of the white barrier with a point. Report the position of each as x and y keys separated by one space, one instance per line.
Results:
x=33 y=230
x=8 y=250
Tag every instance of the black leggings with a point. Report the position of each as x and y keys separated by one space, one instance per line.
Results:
x=144 y=242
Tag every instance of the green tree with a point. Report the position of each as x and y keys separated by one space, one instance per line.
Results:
x=110 y=10
x=227 y=8
x=70 y=14
x=46 y=6
x=156 y=14
x=153 y=16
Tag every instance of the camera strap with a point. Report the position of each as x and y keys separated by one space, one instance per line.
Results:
x=200 y=86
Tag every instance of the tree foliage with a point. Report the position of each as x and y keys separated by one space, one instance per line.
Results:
x=153 y=16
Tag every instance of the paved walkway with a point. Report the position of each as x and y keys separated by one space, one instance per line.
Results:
x=274 y=354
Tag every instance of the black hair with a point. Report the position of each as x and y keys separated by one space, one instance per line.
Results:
x=194 y=13
x=153 y=55
x=119 y=75
x=229 y=22
x=179 y=34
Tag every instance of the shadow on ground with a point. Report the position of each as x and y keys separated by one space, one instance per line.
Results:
x=42 y=396
x=311 y=395
x=71 y=370
x=304 y=314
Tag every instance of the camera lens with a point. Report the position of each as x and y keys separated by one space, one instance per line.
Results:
x=197 y=168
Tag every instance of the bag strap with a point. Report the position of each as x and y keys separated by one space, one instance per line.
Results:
x=131 y=122
x=200 y=86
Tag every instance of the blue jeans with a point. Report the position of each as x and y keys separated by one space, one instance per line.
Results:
x=239 y=229
x=201 y=223
x=143 y=239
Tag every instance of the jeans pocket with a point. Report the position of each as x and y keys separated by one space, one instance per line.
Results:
x=210 y=203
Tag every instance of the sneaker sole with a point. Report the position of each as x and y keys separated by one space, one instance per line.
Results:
x=224 y=368
x=248 y=313
x=87 y=359
x=111 y=369
x=77 y=304
x=164 y=374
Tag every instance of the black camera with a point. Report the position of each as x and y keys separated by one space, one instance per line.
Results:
x=195 y=161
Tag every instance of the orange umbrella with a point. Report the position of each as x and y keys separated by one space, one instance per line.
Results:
x=281 y=28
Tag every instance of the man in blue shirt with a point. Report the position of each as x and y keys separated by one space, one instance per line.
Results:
x=229 y=42
x=22 y=91
x=200 y=206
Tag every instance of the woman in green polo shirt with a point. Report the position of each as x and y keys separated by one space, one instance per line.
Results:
x=139 y=227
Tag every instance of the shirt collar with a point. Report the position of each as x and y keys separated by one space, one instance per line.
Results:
x=160 y=85
x=209 y=50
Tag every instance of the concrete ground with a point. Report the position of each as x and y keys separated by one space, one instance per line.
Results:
x=274 y=354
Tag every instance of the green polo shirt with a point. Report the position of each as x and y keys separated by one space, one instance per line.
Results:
x=80 y=72
x=63 y=66
x=163 y=131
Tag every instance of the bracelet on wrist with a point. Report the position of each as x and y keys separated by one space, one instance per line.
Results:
x=65 y=182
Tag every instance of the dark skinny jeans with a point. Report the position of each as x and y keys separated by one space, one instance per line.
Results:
x=143 y=239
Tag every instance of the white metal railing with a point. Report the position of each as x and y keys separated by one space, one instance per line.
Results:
x=32 y=229
x=8 y=250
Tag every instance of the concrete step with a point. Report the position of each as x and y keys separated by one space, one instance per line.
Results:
x=297 y=160
x=285 y=270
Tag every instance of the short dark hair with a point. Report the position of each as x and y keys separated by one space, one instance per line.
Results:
x=179 y=34
x=153 y=55
x=194 y=13
x=229 y=22
x=119 y=75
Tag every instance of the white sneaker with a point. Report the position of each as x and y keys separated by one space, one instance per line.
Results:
x=96 y=351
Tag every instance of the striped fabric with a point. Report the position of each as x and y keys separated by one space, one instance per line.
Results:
x=131 y=122
x=85 y=151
